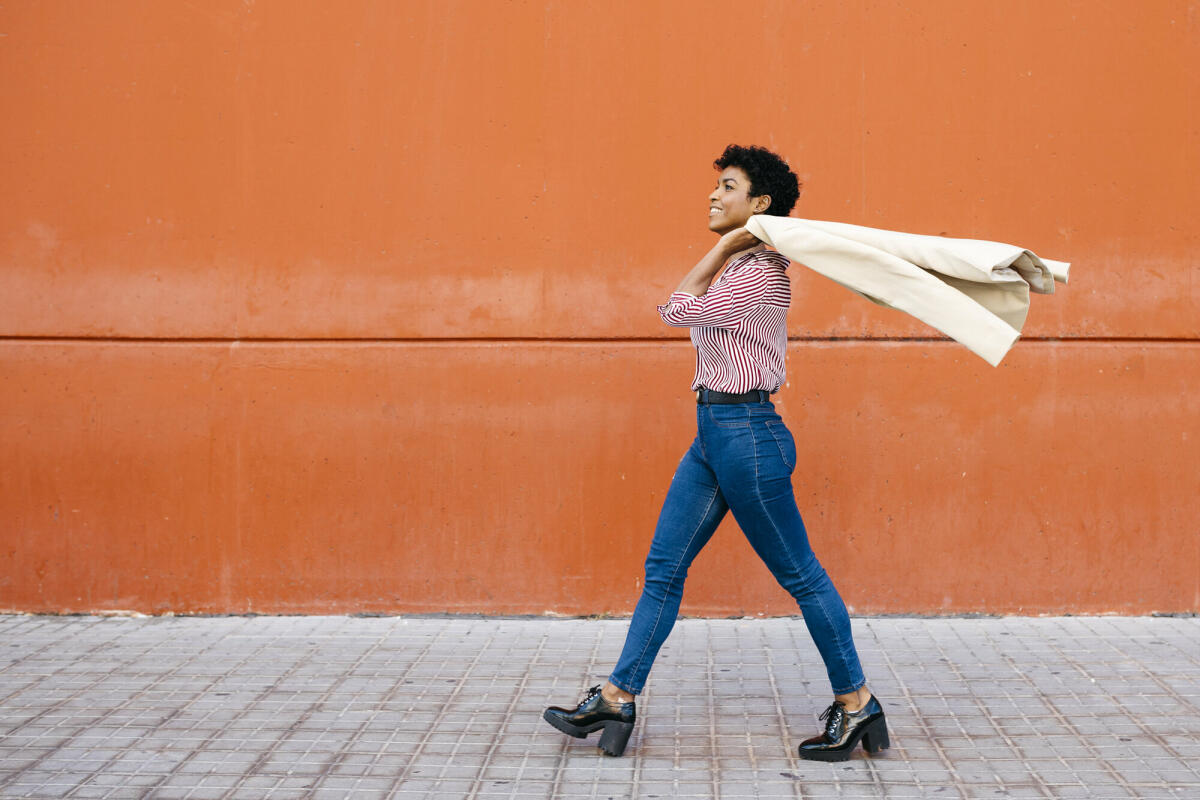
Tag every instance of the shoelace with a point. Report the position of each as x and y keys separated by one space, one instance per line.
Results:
x=592 y=692
x=835 y=714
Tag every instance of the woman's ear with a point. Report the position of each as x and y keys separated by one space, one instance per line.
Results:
x=762 y=203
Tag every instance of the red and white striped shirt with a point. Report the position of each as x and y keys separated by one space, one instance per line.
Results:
x=739 y=326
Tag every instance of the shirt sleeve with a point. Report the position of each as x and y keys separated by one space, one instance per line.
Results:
x=722 y=306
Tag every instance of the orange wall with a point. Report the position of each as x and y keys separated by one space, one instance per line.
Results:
x=328 y=307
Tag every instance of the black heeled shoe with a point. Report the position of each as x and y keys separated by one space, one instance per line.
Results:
x=594 y=713
x=844 y=729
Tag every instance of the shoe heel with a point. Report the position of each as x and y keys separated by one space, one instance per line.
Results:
x=875 y=737
x=615 y=737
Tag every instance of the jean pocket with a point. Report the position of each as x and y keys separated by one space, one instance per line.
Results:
x=728 y=416
x=785 y=443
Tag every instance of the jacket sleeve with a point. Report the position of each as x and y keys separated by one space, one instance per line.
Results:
x=722 y=306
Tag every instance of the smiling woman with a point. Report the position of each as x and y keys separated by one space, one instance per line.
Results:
x=741 y=460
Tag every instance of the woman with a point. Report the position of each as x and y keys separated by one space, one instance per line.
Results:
x=741 y=461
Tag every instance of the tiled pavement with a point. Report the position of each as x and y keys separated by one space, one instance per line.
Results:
x=275 y=707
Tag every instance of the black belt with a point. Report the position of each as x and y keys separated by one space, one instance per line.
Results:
x=708 y=396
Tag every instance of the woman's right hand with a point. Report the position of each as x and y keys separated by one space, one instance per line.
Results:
x=737 y=240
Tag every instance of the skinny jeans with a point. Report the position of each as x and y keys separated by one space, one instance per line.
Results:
x=741 y=461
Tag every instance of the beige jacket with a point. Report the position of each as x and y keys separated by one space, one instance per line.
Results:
x=974 y=291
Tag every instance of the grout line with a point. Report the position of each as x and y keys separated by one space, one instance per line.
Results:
x=517 y=693
x=906 y=696
x=104 y=643
x=981 y=703
x=347 y=672
x=139 y=694
x=713 y=705
x=793 y=756
x=165 y=777
x=1062 y=721
x=459 y=682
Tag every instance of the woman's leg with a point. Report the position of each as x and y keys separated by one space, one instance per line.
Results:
x=693 y=507
x=754 y=466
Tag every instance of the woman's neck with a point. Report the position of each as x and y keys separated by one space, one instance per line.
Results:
x=740 y=253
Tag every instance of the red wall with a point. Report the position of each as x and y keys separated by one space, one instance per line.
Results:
x=329 y=307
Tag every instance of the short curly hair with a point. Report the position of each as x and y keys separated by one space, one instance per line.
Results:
x=768 y=173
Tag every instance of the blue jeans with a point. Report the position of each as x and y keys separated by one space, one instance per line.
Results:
x=741 y=460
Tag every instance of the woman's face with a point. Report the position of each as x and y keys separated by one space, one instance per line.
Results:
x=730 y=204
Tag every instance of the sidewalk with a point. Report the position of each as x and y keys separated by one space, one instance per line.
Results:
x=283 y=707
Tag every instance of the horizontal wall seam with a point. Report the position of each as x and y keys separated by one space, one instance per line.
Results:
x=565 y=340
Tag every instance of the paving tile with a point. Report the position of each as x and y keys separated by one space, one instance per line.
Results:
x=450 y=707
